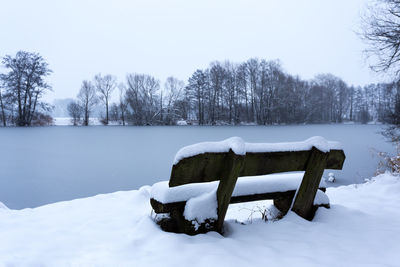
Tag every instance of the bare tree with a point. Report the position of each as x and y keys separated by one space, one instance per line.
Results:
x=382 y=33
x=115 y=113
x=123 y=103
x=87 y=100
x=105 y=85
x=75 y=112
x=173 y=90
x=141 y=95
x=25 y=84
x=197 y=92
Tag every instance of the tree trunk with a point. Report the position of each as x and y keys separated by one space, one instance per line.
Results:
x=107 y=111
x=3 y=115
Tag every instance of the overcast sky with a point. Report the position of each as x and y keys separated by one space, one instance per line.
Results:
x=81 y=38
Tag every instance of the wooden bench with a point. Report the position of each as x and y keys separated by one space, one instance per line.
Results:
x=210 y=170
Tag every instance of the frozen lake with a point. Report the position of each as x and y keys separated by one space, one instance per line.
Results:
x=49 y=164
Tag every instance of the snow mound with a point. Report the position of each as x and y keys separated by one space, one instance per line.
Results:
x=240 y=148
x=202 y=207
x=360 y=229
x=321 y=198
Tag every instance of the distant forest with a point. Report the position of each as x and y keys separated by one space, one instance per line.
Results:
x=253 y=92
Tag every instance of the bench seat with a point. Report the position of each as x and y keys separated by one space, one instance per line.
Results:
x=249 y=188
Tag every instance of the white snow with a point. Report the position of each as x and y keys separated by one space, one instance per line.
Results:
x=240 y=148
x=165 y=194
x=360 y=229
x=181 y=123
x=235 y=143
x=317 y=141
x=2 y=206
x=202 y=207
x=246 y=185
x=331 y=177
x=66 y=121
x=321 y=198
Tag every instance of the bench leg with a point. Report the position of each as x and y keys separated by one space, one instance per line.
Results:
x=283 y=203
x=231 y=171
x=304 y=202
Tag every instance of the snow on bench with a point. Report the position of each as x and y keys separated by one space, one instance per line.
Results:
x=249 y=185
x=239 y=147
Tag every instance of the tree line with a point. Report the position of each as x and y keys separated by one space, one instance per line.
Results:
x=256 y=91
x=252 y=92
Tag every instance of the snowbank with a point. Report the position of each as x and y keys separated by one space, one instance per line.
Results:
x=240 y=148
x=360 y=229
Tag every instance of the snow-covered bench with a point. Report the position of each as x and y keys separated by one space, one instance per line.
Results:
x=207 y=177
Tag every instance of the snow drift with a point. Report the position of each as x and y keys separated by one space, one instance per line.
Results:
x=361 y=228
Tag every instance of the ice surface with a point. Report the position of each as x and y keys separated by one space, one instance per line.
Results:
x=41 y=165
x=360 y=229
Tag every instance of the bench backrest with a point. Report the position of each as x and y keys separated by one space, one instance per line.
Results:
x=208 y=167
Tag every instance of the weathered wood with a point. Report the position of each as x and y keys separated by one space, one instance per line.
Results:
x=207 y=167
x=303 y=203
x=335 y=159
x=283 y=203
x=231 y=170
x=275 y=162
x=160 y=207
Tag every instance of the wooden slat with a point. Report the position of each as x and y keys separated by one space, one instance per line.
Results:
x=207 y=167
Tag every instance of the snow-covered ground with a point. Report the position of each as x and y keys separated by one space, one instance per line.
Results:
x=66 y=121
x=360 y=229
